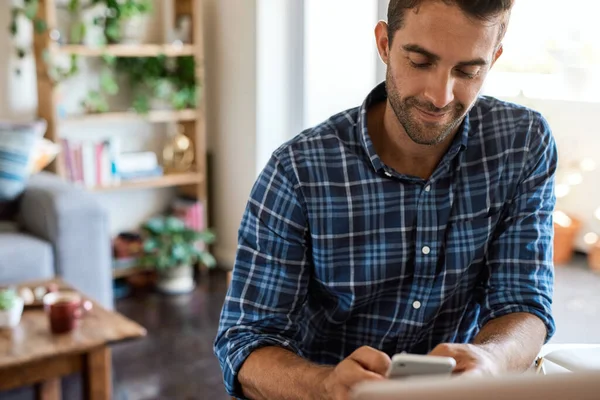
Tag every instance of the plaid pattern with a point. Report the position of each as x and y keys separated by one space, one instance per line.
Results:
x=337 y=250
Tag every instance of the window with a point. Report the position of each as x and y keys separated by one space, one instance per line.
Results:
x=551 y=51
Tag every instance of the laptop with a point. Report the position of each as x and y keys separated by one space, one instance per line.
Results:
x=580 y=386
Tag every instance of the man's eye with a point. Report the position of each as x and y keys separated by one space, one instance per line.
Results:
x=419 y=65
x=468 y=75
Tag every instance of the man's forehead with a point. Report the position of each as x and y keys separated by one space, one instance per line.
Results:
x=444 y=29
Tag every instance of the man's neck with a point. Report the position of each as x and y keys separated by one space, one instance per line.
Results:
x=396 y=149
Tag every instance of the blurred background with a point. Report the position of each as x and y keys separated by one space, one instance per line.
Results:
x=192 y=121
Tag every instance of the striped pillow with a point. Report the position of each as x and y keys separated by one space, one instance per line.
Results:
x=17 y=142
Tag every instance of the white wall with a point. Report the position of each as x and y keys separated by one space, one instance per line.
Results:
x=280 y=56
x=230 y=51
x=340 y=56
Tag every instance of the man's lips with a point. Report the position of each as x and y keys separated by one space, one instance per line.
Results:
x=432 y=116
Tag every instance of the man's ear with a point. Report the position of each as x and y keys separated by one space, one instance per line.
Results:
x=381 y=38
x=498 y=53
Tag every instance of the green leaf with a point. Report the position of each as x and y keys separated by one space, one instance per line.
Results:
x=13 y=27
x=141 y=104
x=8 y=298
x=174 y=224
x=31 y=9
x=73 y=5
x=108 y=83
x=40 y=26
x=208 y=260
x=207 y=236
x=155 y=225
x=180 y=252
x=77 y=33
x=109 y=59
x=150 y=245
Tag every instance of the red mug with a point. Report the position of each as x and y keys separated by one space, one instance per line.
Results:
x=64 y=309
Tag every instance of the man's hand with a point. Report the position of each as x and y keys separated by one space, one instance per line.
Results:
x=365 y=364
x=471 y=359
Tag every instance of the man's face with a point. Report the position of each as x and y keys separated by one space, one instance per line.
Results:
x=436 y=66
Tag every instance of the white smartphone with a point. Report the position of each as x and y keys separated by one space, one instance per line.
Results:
x=405 y=365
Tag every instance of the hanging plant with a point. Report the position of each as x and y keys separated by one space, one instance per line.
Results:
x=29 y=10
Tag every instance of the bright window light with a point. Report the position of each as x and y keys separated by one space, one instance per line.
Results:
x=551 y=51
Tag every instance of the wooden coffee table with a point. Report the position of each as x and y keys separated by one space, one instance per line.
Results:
x=31 y=355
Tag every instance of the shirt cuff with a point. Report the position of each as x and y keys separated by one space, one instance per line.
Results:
x=239 y=352
x=519 y=308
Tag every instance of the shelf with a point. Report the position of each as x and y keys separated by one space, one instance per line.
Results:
x=125 y=272
x=125 y=50
x=169 y=180
x=152 y=116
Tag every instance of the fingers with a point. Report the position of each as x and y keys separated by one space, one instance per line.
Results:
x=372 y=360
x=444 y=350
x=465 y=360
x=351 y=372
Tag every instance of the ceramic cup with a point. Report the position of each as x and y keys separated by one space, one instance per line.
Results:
x=64 y=309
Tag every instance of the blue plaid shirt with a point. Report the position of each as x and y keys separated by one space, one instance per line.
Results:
x=337 y=250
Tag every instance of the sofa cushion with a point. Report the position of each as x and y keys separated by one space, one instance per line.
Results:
x=17 y=145
x=24 y=258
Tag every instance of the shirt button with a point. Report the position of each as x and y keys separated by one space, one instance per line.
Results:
x=426 y=250
x=428 y=188
x=417 y=305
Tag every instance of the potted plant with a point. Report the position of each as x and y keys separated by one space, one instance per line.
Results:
x=159 y=82
x=126 y=20
x=172 y=249
x=11 y=308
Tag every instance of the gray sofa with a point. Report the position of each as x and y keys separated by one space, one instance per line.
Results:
x=62 y=231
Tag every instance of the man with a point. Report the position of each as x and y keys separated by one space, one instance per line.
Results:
x=419 y=222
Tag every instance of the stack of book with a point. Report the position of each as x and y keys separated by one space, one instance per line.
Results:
x=101 y=163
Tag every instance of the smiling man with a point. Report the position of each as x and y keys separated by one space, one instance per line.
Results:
x=420 y=221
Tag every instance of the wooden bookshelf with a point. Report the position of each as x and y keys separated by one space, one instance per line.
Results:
x=192 y=184
x=126 y=50
x=152 y=116
x=169 y=180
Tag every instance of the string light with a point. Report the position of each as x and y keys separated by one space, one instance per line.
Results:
x=562 y=219
x=590 y=238
x=574 y=178
x=562 y=190
x=587 y=165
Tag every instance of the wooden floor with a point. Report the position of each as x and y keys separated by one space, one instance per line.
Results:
x=176 y=361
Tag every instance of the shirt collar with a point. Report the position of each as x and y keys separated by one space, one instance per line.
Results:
x=379 y=93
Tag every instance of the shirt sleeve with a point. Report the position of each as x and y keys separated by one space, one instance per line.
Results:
x=520 y=256
x=270 y=276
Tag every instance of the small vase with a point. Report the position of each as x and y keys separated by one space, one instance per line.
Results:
x=11 y=318
x=176 y=280
x=133 y=29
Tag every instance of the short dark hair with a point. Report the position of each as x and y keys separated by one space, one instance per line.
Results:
x=480 y=9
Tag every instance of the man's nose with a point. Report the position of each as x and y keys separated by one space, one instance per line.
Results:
x=440 y=89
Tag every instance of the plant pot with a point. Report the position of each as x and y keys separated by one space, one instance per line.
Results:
x=594 y=257
x=564 y=241
x=161 y=95
x=134 y=29
x=11 y=318
x=177 y=280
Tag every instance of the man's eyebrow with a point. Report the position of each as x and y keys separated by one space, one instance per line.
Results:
x=415 y=48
